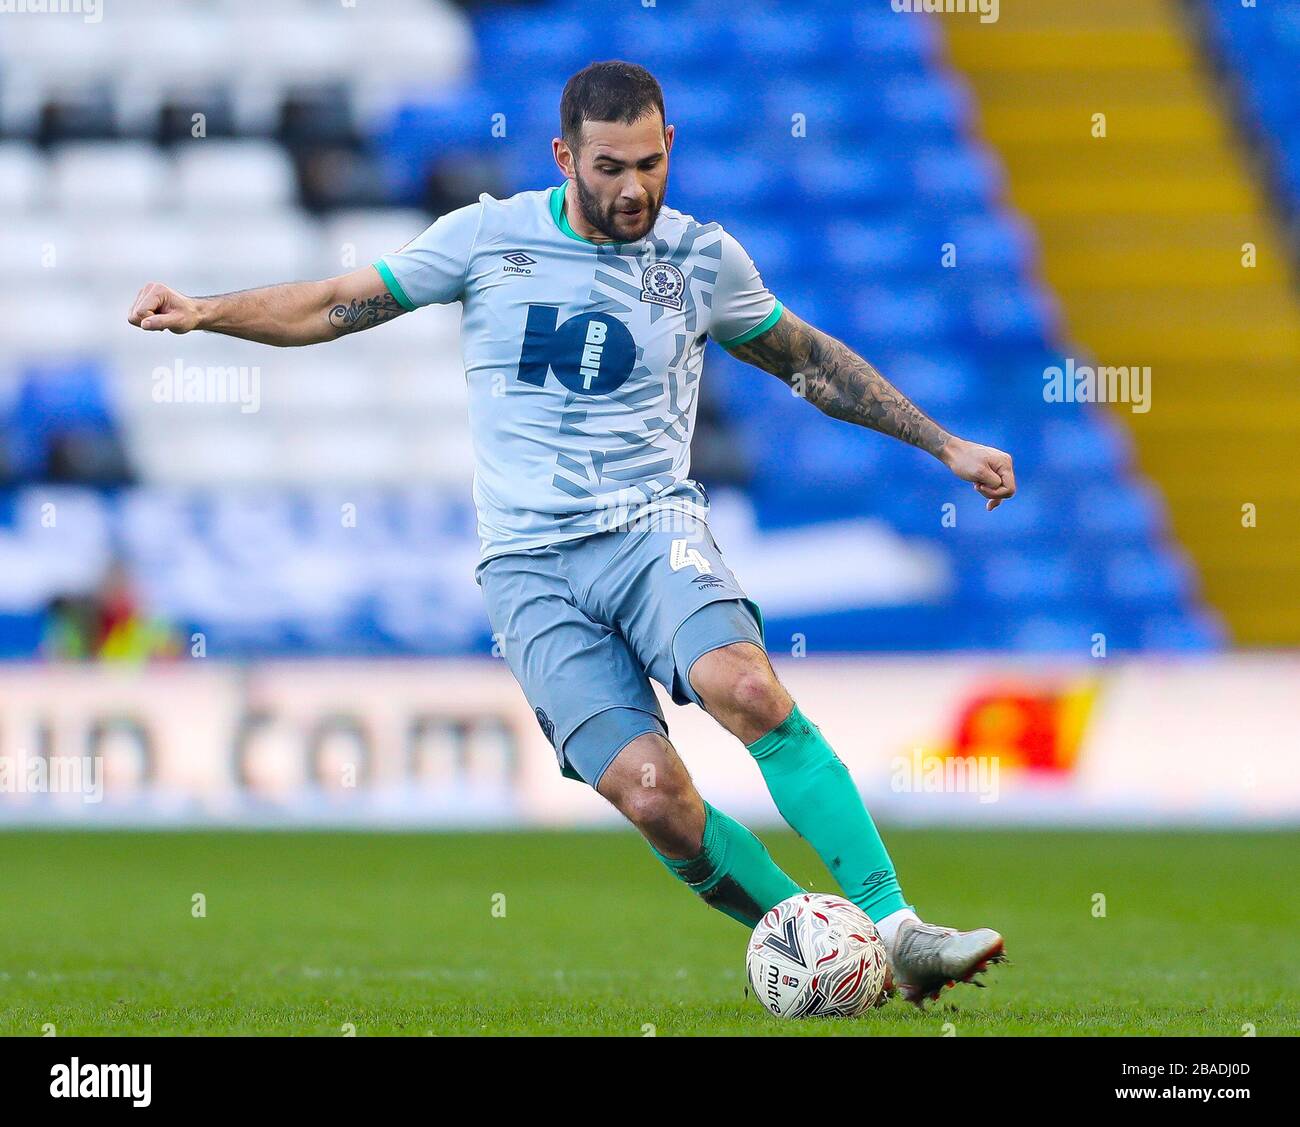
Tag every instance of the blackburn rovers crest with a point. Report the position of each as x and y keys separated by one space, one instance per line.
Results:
x=663 y=284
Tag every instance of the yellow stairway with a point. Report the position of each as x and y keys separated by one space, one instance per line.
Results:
x=1142 y=234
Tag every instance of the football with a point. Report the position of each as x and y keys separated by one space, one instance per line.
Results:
x=816 y=956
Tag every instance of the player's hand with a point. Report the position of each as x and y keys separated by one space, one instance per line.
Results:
x=156 y=307
x=988 y=468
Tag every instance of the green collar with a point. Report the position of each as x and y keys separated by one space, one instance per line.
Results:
x=562 y=220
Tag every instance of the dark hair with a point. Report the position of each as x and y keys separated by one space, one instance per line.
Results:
x=609 y=91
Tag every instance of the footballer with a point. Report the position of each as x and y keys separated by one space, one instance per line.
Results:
x=586 y=308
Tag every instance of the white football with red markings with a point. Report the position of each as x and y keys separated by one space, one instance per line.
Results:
x=815 y=955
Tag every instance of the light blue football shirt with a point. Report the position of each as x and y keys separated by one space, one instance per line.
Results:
x=583 y=359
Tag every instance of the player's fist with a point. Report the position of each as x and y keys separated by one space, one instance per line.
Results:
x=157 y=307
x=985 y=466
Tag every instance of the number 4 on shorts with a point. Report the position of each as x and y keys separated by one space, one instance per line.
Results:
x=681 y=556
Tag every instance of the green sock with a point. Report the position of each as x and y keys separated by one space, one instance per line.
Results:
x=816 y=794
x=734 y=871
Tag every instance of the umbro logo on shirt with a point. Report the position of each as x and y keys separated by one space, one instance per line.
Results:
x=519 y=262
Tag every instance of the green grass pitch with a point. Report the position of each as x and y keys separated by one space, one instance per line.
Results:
x=306 y=933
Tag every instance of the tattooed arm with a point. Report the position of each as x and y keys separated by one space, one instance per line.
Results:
x=839 y=382
x=294 y=313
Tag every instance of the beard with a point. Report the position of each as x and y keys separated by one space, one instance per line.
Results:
x=605 y=218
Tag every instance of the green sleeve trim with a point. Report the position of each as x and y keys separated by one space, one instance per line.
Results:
x=394 y=286
x=758 y=330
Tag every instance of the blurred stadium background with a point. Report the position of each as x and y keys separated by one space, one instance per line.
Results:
x=240 y=579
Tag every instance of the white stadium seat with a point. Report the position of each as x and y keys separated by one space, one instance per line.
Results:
x=22 y=176
x=444 y=455
x=59 y=51
x=290 y=47
x=308 y=383
x=357 y=450
x=139 y=248
x=210 y=450
x=174 y=47
x=432 y=51
x=110 y=175
x=234 y=175
x=43 y=246
x=58 y=322
x=362 y=236
x=429 y=384
x=236 y=252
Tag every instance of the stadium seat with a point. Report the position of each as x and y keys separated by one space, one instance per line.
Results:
x=22 y=176
x=234 y=175
x=102 y=176
x=852 y=177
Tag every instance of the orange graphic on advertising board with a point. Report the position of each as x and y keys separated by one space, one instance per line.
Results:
x=1038 y=729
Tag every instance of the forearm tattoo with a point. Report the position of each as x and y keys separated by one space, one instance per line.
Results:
x=837 y=380
x=358 y=315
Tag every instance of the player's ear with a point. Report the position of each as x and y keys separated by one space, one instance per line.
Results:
x=669 y=134
x=563 y=156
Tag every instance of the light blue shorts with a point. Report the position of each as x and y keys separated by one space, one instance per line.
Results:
x=584 y=625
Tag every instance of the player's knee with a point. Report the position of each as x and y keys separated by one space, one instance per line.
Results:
x=662 y=802
x=739 y=680
x=758 y=695
x=647 y=782
x=658 y=801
